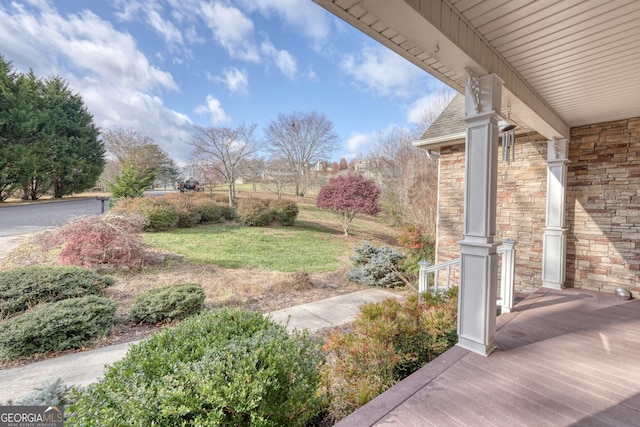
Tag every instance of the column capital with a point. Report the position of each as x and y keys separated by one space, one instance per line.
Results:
x=558 y=150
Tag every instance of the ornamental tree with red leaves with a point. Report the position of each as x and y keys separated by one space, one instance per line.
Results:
x=348 y=196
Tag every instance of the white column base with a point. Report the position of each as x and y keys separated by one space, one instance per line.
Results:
x=554 y=254
x=477 y=302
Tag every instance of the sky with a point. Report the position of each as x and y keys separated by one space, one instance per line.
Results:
x=161 y=67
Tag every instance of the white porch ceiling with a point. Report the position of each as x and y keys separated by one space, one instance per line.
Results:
x=565 y=63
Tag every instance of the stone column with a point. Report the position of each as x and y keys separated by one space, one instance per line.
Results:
x=478 y=256
x=554 y=250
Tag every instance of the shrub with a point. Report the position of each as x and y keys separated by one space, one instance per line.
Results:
x=24 y=288
x=390 y=340
x=56 y=326
x=158 y=213
x=285 y=211
x=188 y=214
x=210 y=211
x=419 y=245
x=377 y=266
x=254 y=212
x=94 y=240
x=169 y=303
x=225 y=368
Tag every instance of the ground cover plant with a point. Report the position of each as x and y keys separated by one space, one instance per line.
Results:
x=23 y=288
x=228 y=367
x=56 y=326
x=173 y=302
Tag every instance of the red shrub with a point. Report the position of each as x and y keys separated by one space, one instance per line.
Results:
x=94 y=240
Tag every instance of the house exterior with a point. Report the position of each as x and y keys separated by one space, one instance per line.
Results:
x=566 y=73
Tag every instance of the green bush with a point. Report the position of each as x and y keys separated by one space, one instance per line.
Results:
x=188 y=215
x=212 y=212
x=254 y=212
x=376 y=266
x=24 y=288
x=56 y=326
x=285 y=211
x=169 y=303
x=225 y=368
x=158 y=213
x=390 y=340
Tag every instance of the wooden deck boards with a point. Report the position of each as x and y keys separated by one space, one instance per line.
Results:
x=563 y=358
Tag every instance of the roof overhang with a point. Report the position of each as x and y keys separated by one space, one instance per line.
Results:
x=515 y=39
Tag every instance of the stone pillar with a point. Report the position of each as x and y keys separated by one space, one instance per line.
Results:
x=478 y=256
x=554 y=250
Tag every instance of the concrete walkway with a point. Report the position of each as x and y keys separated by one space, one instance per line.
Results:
x=86 y=367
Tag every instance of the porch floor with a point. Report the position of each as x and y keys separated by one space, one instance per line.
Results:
x=563 y=358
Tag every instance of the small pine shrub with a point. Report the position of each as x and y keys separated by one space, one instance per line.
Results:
x=24 y=288
x=56 y=326
x=56 y=393
x=94 y=240
x=285 y=211
x=254 y=212
x=225 y=368
x=390 y=340
x=376 y=266
x=159 y=214
x=169 y=303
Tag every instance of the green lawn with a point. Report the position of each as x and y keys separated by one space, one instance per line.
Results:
x=286 y=249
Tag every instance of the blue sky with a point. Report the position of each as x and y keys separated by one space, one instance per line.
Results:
x=161 y=66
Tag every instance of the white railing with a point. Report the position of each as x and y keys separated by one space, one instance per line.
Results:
x=426 y=271
x=508 y=253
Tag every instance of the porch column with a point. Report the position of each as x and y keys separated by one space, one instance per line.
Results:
x=478 y=251
x=554 y=249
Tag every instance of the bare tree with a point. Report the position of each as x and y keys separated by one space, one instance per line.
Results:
x=407 y=178
x=252 y=169
x=301 y=139
x=433 y=110
x=128 y=146
x=222 y=149
x=277 y=176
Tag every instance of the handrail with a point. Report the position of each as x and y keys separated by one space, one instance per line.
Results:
x=506 y=250
x=426 y=269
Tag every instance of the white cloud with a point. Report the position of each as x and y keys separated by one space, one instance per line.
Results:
x=359 y=143
x=115 y=79
x=213 y=107
x=303 y=15
x=283 y=59
x=383 y=72
x=232 y=29
x=427 y=108
x=164 y=27
x=236 y=80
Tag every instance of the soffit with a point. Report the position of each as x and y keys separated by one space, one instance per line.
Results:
x=564 y=62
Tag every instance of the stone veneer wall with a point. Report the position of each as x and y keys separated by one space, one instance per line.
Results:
x=521 y=207
x=603 y=206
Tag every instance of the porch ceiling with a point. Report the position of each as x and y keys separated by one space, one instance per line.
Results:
x=565 y=63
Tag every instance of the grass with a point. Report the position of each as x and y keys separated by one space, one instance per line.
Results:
x=284 y=249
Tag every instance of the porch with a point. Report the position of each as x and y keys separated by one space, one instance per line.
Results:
x=563 y=358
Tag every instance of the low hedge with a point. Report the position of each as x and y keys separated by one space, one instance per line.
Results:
x=225 y=368
x=56 y=326
x=159 y=214
x=169 y=303
x=254 y=212
x=285 y=211
x=23 y=288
